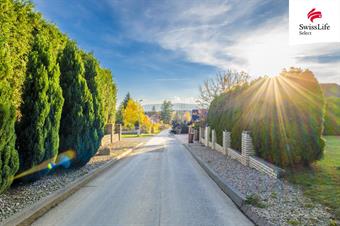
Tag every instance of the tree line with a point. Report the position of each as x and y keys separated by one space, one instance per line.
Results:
x=131 y=115
x=54 y=97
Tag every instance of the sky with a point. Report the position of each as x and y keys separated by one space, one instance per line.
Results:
x=160 y=50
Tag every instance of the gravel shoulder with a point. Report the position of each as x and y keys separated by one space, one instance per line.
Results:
x=273 y=199
x=22 y=195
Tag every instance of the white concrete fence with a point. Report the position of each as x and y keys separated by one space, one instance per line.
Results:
x=246 y=156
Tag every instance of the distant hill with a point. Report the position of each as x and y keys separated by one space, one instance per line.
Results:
x=175 y=107
x=330 y=89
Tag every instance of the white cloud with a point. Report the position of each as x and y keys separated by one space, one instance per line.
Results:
x=184 y=100
x=174 y=99
x=263 y=51
x=266 y=51
x=216 y=33
x=171 y=79
x=204 y=12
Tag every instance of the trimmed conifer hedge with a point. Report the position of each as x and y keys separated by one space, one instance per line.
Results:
x=284 y=115
x=76 y=132
x=32 y=93
x=38 y=129
x=9 y=161
x=92 y=72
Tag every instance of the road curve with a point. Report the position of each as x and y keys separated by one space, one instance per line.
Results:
x=161 y=184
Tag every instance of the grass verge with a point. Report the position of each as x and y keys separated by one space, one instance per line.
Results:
x=135 y=135
x=321 y=182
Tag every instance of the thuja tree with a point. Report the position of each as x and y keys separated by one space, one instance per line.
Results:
x=77 y=119
x=38 y=129
x=16 y=24
x=9 y=161
x=15 y=29
x=92 y=74
x=108 y=95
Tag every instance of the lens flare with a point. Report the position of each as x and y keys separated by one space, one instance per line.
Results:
x=50 y=166
x=64 y=159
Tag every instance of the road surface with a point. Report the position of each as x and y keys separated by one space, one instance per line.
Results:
x=160 y=184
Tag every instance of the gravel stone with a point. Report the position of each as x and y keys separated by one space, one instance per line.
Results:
x=22 y=195
x=284 y=203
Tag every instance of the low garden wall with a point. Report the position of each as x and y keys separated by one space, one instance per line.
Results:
x=246 y=156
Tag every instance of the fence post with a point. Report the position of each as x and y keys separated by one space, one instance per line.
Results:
x=109 y=131
x=200 y=135
x=209 y=136
x=226 y=141
x=213 y=139
x=118 y=130
x=207 y=132
x=247 y=146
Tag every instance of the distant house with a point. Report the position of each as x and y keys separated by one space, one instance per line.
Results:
x=155 y=118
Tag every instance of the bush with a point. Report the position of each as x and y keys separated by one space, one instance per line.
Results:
x=38 y=129
x=78 y=117
x=284 y=115
x=332 y=116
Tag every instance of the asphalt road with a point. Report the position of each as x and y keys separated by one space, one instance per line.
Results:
x=161 y=184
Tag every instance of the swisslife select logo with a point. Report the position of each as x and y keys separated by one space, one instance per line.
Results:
x=312 y=15
x=314 y=21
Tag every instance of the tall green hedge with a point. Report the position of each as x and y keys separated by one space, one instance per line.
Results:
x=15 y=37
x=332 y=116
x=17 y=21
x=9 y=161
x=284 y=115
x=108 y=93
x=78 y=117
x=92 y=73
x=38 y=129
x=31 y=94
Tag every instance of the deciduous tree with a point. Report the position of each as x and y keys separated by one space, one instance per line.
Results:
x=222 y=82
x=132 y=114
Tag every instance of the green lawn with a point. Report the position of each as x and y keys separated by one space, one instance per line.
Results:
x=322 y=181
x=135 y=135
